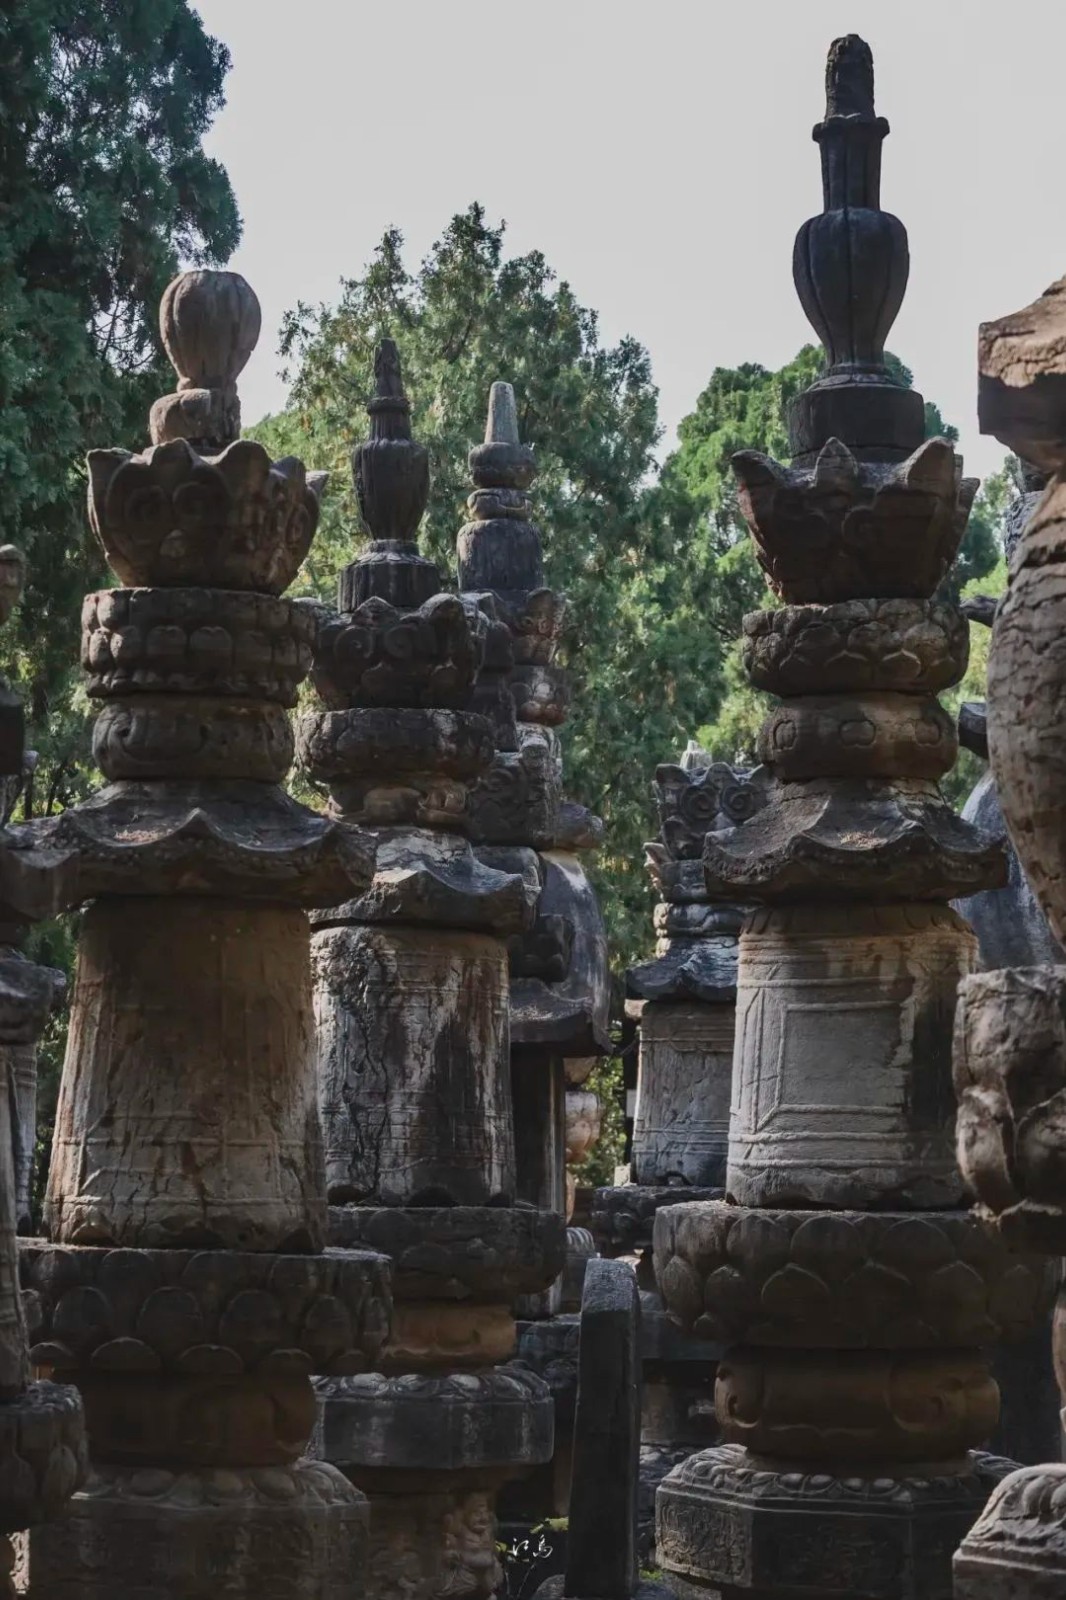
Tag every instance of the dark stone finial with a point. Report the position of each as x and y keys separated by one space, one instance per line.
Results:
x=850 y=267
x=500 y=548
x=849 y=79
x=391 y=475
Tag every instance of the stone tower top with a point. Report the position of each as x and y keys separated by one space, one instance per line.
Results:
x=850 y=266
x=209 y=323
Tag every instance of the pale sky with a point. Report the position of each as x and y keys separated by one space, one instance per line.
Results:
x=658 y=152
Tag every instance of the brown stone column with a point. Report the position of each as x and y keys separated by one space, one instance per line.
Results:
x=856 y=1298
x=1010 y=1032
x=184 y=1286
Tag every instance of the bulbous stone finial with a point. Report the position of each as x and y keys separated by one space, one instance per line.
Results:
x=850 y=267
x=391 y=475
x=209 y=323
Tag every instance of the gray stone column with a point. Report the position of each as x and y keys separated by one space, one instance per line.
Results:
x=413 y=1039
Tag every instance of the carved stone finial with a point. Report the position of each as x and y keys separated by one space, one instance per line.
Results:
x=500 y=548
x=391 y=475
x=850 y=267
x=209 y=323
x=849 y=79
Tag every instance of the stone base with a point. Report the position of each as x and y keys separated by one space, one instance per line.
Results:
x=729 y=1521
x=427 y=1545
x=1016 y=1550
x=278 y=1533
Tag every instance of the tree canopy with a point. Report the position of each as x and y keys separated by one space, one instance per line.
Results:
x=629 y=551
x=105 y=190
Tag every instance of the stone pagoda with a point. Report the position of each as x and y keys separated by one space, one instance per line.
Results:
x=43 y=1455
x=856 y=1298
x=411 y=997
x=183 y=1285
x=685 y=1002
x=559 y=984
x=1010 y=1039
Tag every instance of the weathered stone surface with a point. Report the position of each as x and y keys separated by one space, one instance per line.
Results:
x=601 y=1552
x=517 y=800
x=428 y=1544
x=838 y=1280
x=43 y=1455
x=422 y=877
x=840 y=1406
x=1021 y=395
x=843 y=1056
x=842 y=839
x=454 y=1422
x=155 y=736
x=219 y=1314
x=209 y=323
x=913 y=646
x=378 y=655
x=195 y=641
x=378 y=753
x=869 y=735
x=203 y=1130
x=395 y=1000
x=1016 y=1550
x=1026 y=688
x=1010 y=1078
x=699 y=795
x=171 y=518
x=842 y=529
x=568 y=1013
x=273 y=1532
x=623 y=1217
x=486 y=1254
x=681 y=1127
x=580 y=1250
x=248 y=840
x=688 y=970
x=747 y=1528
x=1011 y=929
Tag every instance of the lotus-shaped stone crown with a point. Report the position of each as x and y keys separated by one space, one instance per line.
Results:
x=201 y=507
x=844 y=530
x=699 y=796
x=171 y=517
x=381 y=656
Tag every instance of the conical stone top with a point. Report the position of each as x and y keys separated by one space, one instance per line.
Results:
x=500 y=548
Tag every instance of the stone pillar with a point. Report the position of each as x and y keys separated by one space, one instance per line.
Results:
x=183 y=1286
x=685 y=1000
x=1010 y=1039
x=559 y=985
x=43 y=1455
x=856 y=1299
x=411 y=1002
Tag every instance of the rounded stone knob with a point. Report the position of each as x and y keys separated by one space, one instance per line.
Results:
x=209 y=323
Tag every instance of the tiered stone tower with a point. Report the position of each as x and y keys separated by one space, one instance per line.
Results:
x=411 y=995
x=559 y=986
x=857 y=1299
x=43 y=1455
x=559 y=979
x=685 y=1000
x=1010 y=1037
x=184 y=1287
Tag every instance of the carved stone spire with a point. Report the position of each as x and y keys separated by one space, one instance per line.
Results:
x=500 y=548
x=850 y=267
x=391 y=474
